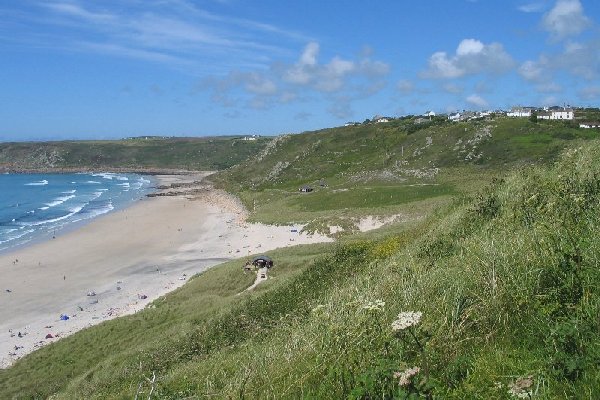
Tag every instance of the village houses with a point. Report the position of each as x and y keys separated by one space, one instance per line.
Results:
x=557 y=113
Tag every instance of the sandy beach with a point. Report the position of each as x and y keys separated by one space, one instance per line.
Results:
x=120 y=262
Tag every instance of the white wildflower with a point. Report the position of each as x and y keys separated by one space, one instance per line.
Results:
x=406 y=319
x=404 y=377
x=521 y=388
x=376 y=305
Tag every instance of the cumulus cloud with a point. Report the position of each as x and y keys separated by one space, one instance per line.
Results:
x=565 y=19
x=333 y=75
x=339 y=80
x=531 y=71
x=578 y=59
x=581 y=59
x=477 y=101
x=471 y=57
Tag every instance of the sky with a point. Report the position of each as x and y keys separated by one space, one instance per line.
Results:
x=100 y=69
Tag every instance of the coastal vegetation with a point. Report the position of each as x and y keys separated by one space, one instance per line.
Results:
x=487 y=288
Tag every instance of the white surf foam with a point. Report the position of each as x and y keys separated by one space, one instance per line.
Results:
x=59 y=200
x=38 y=183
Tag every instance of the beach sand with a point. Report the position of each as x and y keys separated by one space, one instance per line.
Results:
x=120 y=262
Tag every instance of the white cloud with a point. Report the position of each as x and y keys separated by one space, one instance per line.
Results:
x=578 y=59
x=258 y=84
x=339 y=81
x=469 y=46
x=531 y=71
x=309 y=55
x=471 y=57
x=442 y=67
x=477 y=101
x=581 y=59
x=176 y=29
x=334 y=75
x=565 y=19
x=531 y=7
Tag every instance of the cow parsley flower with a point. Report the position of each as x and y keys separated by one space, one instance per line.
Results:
x=376 y=305
x=406 y=319
x=404 y=377
x=521 y=389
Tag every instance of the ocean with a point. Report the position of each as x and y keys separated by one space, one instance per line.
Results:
x=39 y=206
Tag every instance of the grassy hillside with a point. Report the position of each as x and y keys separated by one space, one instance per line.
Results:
x=134 y=154
x=399 y=168
x=401 y=150
x=506 y=282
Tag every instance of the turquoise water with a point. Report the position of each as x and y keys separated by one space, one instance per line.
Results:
x=40 y=206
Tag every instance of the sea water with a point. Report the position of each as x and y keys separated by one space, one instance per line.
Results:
x=40 y=206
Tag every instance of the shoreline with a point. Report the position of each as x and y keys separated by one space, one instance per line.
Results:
x=72 y=226
x=92 y=274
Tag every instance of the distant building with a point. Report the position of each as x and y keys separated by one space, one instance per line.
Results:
x=429 y=114
x=589 y=124
x=454 y=116
x=520 y=112
x=305 y=189
x=378 y=119
x=557 y=113
x=351 y=123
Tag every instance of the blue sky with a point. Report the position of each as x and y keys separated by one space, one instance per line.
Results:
x=115 y=68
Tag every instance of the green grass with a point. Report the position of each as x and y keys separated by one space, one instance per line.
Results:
x=367 y=197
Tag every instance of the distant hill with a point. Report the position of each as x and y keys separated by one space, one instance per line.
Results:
x=399 y=150
x=211 y=153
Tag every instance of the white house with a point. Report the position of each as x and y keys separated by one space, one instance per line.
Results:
x=429 y=114
x=520 y=112
x=589 y=125
x=379 y=120
x=454 y=116
x=544 y=115
x=557 y=113
x=564 y=113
